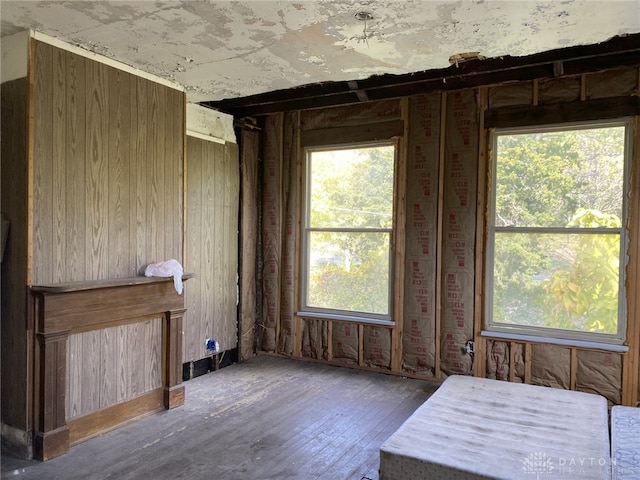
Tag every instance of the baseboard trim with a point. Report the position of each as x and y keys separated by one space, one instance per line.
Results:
x=115 y=416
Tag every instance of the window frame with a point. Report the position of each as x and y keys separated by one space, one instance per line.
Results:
x=550 y=334
x=337 y=314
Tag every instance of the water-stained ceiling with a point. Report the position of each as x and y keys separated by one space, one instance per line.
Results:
x=227 y=49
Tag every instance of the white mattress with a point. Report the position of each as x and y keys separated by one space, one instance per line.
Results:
x=476 y=428
x=625 y=442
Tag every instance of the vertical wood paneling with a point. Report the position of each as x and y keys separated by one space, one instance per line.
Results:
x=108 y=150
x=134 y=175
x=152 y=354
x=123 y=389
x=93 y=189
x=108 y=165
x=90 y=376
x=108 y=366
x=43 y=166
x=59 y=139
x=119 y=253
x=141 y=172
x=172 y=149
x=212 y=246
x=210 y=234
x=74 y=376
x=102 y=368
x=216 y=215
x=152 y=172
x=194 y=248
x=136 y=359
x=96 y=179
x=74 y=167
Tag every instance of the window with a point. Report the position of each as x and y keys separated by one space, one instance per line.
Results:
x=348 y=227
x=556 y=237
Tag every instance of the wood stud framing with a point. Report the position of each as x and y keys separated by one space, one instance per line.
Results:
x=520 y=356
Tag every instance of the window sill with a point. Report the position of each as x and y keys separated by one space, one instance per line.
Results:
x=556 y=341
x=346 y=318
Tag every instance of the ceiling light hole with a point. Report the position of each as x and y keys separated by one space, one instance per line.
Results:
x=363 y=16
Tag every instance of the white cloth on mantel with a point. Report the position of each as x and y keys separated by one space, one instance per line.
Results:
x=168 y=268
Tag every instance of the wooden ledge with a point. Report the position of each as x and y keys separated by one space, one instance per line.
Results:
x=106 y=283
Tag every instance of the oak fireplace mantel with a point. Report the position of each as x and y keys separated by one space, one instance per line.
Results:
x=60 y=310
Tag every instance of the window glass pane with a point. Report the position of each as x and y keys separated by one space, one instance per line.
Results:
x=349 y=271
x=562 y=281
x=545 y=179
x=352 y=188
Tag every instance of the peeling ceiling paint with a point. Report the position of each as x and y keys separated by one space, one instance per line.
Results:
x=224 y=49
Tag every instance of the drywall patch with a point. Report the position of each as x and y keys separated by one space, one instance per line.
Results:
x=209 y=124
x=15 y=56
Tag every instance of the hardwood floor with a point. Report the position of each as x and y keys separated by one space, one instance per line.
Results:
x=269 y=418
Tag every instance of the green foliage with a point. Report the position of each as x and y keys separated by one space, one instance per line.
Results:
x=555 y=180
x=352 y=191
x=534 y=181
x=352 y=188
x=519 y=258
x=586 y=294
x=361 y=288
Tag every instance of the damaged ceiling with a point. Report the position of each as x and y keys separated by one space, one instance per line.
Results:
x=220 y=50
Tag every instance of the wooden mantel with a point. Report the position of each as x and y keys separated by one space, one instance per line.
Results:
x=60 y=310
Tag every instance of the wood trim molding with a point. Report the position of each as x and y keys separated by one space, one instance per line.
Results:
x=114 y=416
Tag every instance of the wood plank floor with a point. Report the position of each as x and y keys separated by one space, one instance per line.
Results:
x=269 y=418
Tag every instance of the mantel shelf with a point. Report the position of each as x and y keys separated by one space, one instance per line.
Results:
x=105 y=283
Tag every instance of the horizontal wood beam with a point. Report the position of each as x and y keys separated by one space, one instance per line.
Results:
x=352 y=134
x=617 y=52
x=599 y=109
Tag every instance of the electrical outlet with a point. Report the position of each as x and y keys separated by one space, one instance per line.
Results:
x=469 y=347
x=212 y=345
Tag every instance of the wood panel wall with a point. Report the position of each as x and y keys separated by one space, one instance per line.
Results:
x=211 y=247
x=108 y=158
x=107 y=163
x=93 y=185
x=15 y=341
x=111 y=365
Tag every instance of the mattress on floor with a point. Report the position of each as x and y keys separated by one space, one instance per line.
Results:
x=625 y=442
x=477 y=428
